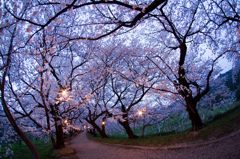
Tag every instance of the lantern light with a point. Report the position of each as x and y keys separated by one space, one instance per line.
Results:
x=140 y=112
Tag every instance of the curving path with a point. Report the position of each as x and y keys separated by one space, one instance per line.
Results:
x=225 y=148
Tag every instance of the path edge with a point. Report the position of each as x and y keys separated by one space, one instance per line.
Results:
x=175 y=146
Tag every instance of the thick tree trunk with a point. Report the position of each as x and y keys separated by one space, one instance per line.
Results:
x=194 y=116
x=21 y=134
x=58 y=128
x=100 y=131
x=9 y=116
x=128 y=130
x=59 y=137
x=183 y=87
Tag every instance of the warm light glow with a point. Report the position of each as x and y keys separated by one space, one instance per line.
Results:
x=64 y=95
x=103 y=123
x=140 y=112
x=65 y=122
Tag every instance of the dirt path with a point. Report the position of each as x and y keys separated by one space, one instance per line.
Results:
x=227 y=148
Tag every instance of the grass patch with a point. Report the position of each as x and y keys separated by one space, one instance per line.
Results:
x=45 y=150
x=221 y=125
x=147 y=141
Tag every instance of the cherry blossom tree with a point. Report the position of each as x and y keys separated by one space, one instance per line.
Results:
x=92 y=19
x=189 y=38
x=8 y=49
x=51 y=69
x=97 y=111
x=224 y=11
x=47 y=84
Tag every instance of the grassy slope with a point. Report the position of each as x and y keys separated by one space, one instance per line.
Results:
x=221 y=125
x=21 y=151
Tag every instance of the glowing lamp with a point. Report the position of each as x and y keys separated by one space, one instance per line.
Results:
x=140 y=113
x=65 y=121
x=64 y=95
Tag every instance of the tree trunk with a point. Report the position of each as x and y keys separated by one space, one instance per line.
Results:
x=59 y=136
x=21 y=134
x=9 y=116
x=143 y=131
x=100 y=131
x=58 y=128
x=103 y=129
x=52 y=139
x=128 y=130
x=194 y=116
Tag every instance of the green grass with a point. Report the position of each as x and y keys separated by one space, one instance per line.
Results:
x=147 y=141
x=45 y=150
x=221 y=125
x=21 y=151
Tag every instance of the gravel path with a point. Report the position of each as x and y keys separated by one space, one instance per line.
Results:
x=225 y=148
